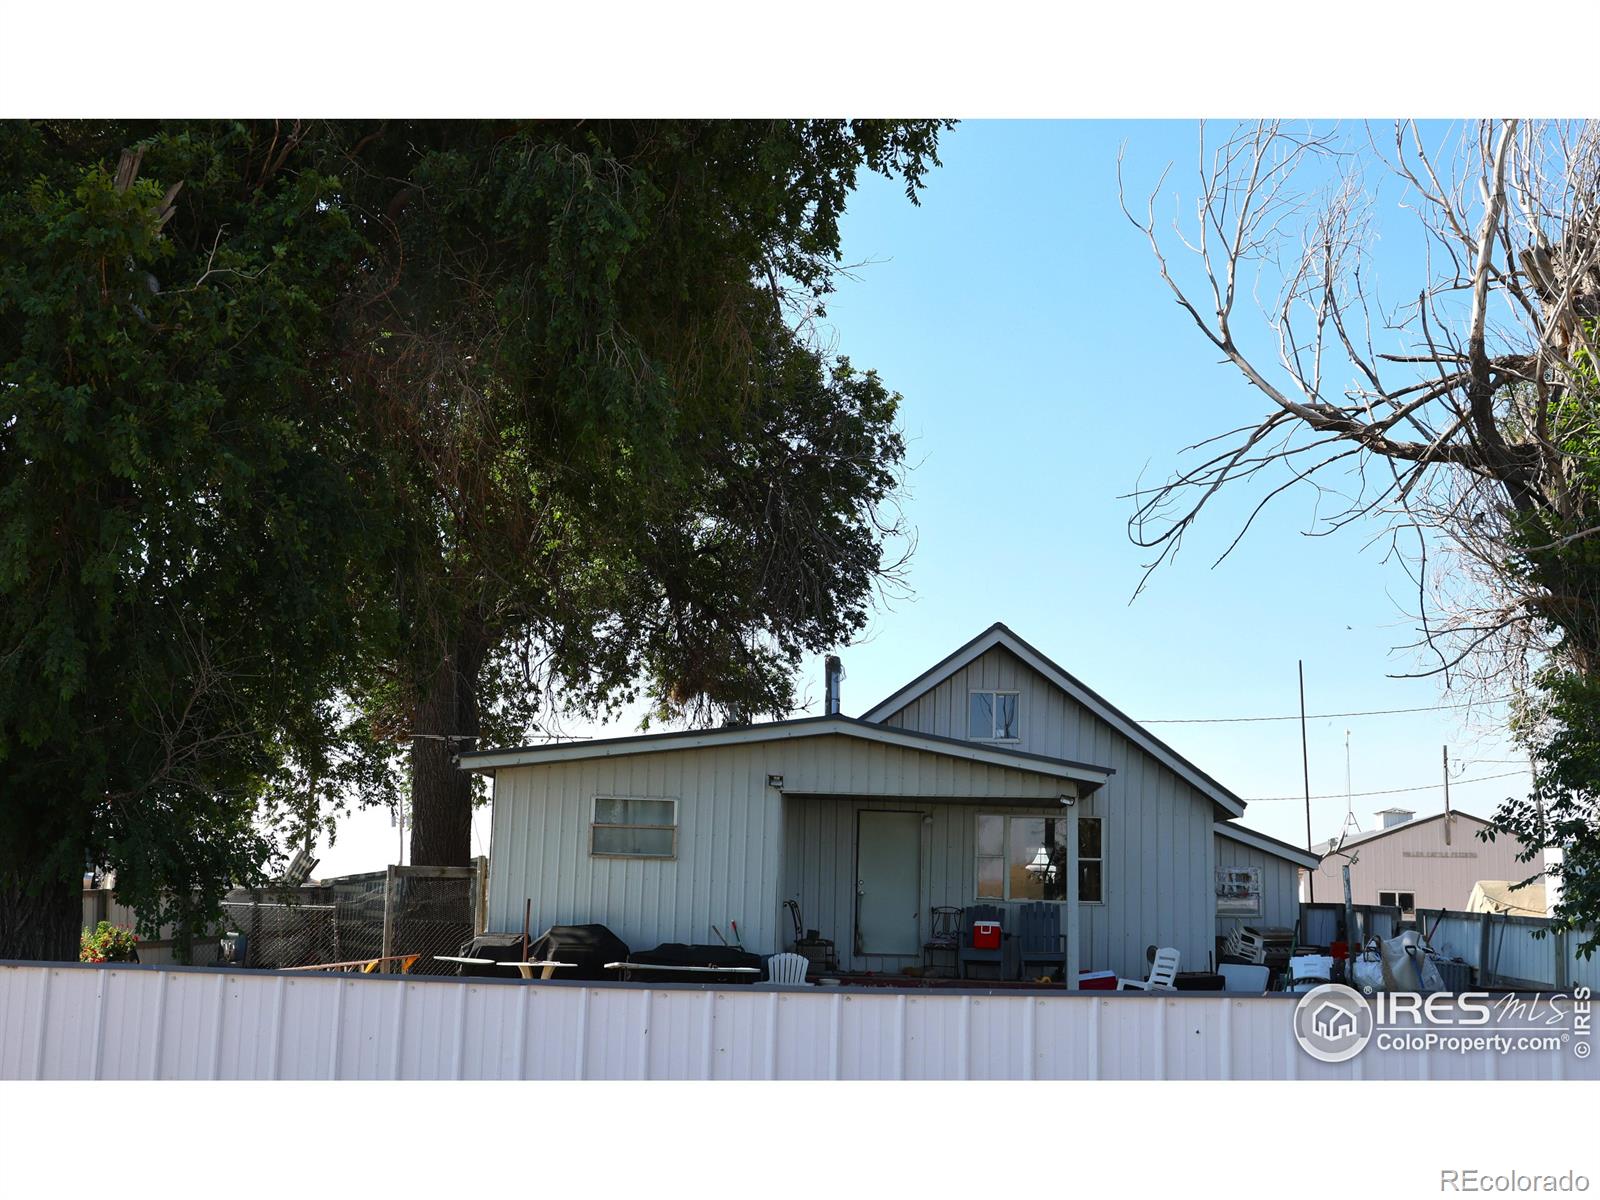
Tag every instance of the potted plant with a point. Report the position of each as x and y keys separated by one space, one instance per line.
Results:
x=108 y=943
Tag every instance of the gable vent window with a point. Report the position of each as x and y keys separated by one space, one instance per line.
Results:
x=992 y=716
x=631 y=827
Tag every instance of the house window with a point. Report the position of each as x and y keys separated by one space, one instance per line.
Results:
x=1406 y=902
x=992 y=716
x=1025 y=858
x=1091 y=860
x=633 y=827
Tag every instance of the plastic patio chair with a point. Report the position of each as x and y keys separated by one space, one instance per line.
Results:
x=1162 y=974
x=787 y=968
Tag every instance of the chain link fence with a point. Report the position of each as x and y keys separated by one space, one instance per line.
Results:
x=420 y=911
x=429 y=916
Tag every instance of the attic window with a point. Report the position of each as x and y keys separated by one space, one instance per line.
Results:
x=992 y=716
x=633 y=827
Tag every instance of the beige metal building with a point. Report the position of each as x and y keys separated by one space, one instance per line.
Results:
x=1418 y=864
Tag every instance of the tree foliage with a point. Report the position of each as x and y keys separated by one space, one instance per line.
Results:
x=624 y=468
x=183 y=516
x=322 y=437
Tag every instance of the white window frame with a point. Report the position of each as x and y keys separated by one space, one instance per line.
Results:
x=1010 y=741
x=594 y=823
x=1394 y=901
x=1005 y=841
x=1099 y=858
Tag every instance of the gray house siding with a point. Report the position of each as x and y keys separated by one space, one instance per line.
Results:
x=1160 y=851
x=1280 y=886
x=731 y=832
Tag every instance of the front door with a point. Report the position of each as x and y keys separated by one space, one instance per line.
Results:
x=888 y=882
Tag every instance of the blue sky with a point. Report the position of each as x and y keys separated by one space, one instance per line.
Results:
x=1043 y=366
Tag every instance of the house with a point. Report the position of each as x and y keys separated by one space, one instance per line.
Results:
x=993 y=777
x=1421 y=864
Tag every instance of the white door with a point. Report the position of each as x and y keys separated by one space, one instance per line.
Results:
x=888 y=883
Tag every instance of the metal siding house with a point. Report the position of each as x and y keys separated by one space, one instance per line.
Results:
x=869 y=824
x=1436 y=861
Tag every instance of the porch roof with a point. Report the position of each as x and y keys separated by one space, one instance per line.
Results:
x=1085 y=777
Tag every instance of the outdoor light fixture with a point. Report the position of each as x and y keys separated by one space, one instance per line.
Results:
x=1068 y=801
x=775 y=781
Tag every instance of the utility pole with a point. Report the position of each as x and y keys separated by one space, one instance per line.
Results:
x=1447 y=818
x=1305 y=768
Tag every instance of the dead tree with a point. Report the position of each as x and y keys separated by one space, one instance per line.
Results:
x=1462 y=415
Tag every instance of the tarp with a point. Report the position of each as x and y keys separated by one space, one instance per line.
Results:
x=1497 y=896
x=588 y=947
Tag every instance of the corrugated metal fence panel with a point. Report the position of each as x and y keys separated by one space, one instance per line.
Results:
x=66 y=1022
x=1516 y=952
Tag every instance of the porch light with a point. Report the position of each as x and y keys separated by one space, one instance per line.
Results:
x=775 y=781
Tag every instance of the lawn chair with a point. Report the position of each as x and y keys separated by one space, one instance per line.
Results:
x=1162 y=973
x=1041 y=944
x=787 y=968
x=968 y=953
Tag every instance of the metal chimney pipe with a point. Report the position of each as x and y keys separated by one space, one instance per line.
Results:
x=833 y=671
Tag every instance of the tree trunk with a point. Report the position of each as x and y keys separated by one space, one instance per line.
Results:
x=40 y=919
x=441 y=793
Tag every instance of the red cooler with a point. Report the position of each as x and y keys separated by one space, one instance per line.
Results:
x=986 y=935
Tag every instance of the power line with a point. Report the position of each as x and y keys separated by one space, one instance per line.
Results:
x=1421 y=787
x=1374 y=712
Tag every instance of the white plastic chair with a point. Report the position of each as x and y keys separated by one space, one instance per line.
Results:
x=787 y=968
x=1162 y=974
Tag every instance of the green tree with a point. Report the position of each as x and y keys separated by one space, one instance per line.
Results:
x=320 y=438
x=624 y=469
x=183 y=516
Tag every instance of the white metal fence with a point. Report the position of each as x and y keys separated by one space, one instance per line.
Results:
x=66 y=1021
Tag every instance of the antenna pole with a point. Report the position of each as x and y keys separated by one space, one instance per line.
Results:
x=1305 y=768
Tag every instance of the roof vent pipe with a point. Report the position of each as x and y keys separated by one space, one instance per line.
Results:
x=833 y=672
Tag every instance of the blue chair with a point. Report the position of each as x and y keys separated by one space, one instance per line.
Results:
x=967 y=954
x=1041 y=946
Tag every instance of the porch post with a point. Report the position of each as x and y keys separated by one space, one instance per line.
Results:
x=1074 y=959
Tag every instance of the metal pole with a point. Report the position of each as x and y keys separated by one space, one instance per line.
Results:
x=1352 y=939
x=388 y=913
x=1446 y=752
x=1305 y=767
x=527 y=915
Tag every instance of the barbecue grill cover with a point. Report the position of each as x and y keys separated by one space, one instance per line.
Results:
x=590 y=947
x=500 y=947
x=676 y=954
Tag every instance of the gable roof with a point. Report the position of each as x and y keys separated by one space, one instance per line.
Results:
x=1268 y=845
x=1086 y=776
x=1323 y=849
x=999 y=635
